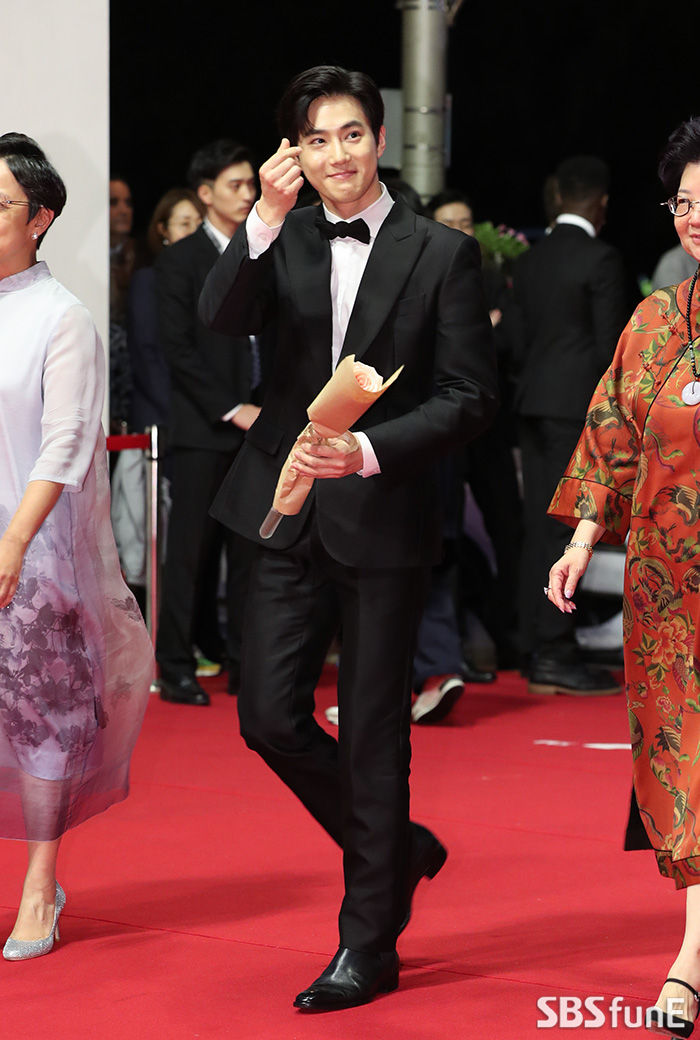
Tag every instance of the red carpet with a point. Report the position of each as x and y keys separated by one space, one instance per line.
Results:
x=200 y=906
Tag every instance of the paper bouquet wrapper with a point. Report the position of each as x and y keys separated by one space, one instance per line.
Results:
x=347 y=395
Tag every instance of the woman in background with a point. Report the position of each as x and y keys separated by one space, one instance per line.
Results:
x=636 y=469
x=75 y=660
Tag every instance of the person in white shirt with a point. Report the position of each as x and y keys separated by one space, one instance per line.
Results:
x=362 y=275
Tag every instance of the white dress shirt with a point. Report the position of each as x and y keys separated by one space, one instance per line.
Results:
x=573 y=218
x=219 y=239
x=348 y=261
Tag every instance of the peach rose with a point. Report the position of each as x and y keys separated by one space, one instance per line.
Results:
x=367 y=377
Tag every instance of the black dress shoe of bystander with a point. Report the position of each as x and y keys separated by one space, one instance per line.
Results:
x=548 y=675
x=183 y=690
x=352 y=978
x=470 y=673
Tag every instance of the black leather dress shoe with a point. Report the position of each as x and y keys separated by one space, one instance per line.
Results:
x=185 y=690
x=570 y=676
x=426 y=858
x=352 y=978
x=470 y=673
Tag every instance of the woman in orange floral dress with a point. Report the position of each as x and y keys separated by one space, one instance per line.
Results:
x=636 y=471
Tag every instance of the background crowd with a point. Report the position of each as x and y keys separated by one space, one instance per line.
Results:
x=558 y=298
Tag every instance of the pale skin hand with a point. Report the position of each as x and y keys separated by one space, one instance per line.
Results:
x=280 y=183
x=566 y=573
x=326 y=460
x=245 y=416
x=37 y=502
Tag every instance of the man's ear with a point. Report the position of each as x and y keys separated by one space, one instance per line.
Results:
x=381 y=141
x=204 y=193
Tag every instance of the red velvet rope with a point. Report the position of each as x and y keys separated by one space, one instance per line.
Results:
x=122 y=441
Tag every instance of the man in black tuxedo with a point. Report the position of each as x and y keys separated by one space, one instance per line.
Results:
x=570 y=308
x=407 y=292
x=212 y=404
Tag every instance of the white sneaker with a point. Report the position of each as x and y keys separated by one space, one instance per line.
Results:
x=437 y=698
x=332 y=714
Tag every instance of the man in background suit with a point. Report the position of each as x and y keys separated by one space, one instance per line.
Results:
x=570 y=308
x=212 y=404
x=365 y=276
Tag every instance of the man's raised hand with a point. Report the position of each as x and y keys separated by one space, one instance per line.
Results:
x=280 y=182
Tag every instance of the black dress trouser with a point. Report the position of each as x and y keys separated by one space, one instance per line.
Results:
x=546 y=447
x=193 y=550
x=356 y=787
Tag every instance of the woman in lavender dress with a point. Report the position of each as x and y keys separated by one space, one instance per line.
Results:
x=75 y=658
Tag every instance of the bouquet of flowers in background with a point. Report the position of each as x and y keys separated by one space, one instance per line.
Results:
x=499 y=245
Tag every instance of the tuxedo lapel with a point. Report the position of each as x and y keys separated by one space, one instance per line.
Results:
x=390 y=263
x=308 y=257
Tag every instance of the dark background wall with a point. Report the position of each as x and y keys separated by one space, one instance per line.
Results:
x=531 y=83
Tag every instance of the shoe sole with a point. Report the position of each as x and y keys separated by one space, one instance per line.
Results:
x=550 y=689
x=386 y=987
x=442 y=709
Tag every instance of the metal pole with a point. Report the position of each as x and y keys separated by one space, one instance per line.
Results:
x=424 y=85
x=152 y=534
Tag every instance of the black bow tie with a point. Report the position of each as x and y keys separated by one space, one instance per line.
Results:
x=342 y=229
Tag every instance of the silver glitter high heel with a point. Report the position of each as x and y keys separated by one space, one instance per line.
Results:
x=19 y=950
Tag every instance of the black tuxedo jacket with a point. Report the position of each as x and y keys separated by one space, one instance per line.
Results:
x=209 y=372
x=420 y=304
x=570 y=299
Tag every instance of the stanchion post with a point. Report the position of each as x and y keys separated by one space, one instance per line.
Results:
x=152 y=534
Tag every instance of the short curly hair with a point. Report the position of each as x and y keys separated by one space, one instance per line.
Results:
x=683 y=147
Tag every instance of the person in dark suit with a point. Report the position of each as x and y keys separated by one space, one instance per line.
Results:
x=176 y=215
x=570 y=300
x=212 y=404
x=406 y=292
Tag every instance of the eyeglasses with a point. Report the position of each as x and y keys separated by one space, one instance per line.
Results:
x=5 y=203
x=679 y=205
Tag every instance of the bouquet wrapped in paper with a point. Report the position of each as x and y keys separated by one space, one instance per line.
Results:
x=347 y=395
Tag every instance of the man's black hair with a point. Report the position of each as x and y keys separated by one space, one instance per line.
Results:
x=582 y=177
x=327 y=81
x=211 y=160
x=447 y=198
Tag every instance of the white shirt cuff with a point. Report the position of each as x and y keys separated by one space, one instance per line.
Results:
x=230 y=415
x=260 y=236
x=370 y=463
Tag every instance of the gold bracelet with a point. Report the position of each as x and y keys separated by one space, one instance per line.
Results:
x=581 y=545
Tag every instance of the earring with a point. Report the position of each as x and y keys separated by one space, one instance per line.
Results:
x=35 y=235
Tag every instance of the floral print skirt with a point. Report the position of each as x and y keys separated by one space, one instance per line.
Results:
x=75 y=670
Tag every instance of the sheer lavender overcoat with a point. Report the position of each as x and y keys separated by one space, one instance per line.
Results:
x=75 y=657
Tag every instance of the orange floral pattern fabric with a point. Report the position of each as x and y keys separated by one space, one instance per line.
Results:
x=636 y=471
